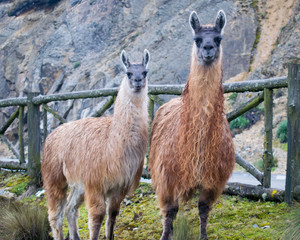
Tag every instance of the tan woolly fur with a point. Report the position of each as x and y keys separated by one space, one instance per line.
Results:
x=99 y=159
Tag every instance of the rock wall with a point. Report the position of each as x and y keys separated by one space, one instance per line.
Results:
x=75 y=45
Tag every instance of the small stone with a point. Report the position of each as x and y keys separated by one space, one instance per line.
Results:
x=265 y=227
x=255 y=226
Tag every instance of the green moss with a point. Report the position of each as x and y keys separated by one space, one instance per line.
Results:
x=15 y=182
x=230 y=218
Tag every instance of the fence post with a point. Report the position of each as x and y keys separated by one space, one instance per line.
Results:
x=151 y=115
x=34 y=142
x=21 y=141
x=268 y=153
x=292 y=185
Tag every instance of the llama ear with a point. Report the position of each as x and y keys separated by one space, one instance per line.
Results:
x=125 y=60
x=194 y=22
x=146 y=58
x=220 y=21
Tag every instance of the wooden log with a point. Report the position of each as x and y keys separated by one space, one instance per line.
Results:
x=106 y=106
x=157 y=99
x=20 y=131
x=254 y=192
x=249 y=167
x=146 y=173
x=166 y=89
x=255 y=85
x=104 y=92
x=252 y=85
x=22 y=101
x=268 y=151
x=10 y=146
x=252 y=103
x=12 y=164
x=54 y=113
x=45 y=124
x=9 y=121
x=293 y=112
x=151 y=110
x=34 y=142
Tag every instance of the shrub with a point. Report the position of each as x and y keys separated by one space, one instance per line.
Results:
x=232 y=98
x=77 y=64
x=24 y=222
x=240 y=122
x=281 y=133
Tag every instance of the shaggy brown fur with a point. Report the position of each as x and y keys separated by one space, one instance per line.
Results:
x=100 y=159
x=191 y=144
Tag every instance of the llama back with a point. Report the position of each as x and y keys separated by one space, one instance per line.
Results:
x=75 y=142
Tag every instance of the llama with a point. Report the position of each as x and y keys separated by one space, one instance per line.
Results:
x=99 y=159
x=191 y=146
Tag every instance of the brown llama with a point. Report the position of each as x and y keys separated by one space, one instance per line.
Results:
x=191 y=145
x=99 y=159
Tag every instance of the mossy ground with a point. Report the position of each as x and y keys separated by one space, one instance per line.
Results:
x=232 y=217
x=16 y=182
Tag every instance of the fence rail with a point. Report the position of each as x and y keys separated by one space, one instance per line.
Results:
x=34 y=102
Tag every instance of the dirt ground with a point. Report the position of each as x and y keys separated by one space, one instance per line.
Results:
x=250 y=143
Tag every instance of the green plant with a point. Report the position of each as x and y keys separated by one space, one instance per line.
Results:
x=259 y=164
x=241 y=122
x=23 y=222
x=281 y=132
x=293 y=231
x=76 y=64
x=182 y=229
x=233 y=97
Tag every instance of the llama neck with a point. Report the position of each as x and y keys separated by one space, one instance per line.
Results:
x=130 y=112
x=201 y=123
x=204 y=84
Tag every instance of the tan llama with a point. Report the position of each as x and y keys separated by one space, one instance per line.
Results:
x=99 y=159
x=191 y=145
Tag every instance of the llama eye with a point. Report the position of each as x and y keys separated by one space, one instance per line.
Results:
x=129 y=74
x=144 y=73
x=198 y=41
x=218 y=41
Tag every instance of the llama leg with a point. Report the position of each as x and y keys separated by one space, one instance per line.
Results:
x=74 y=201
x=169 y=212
x=113 y=208
x=204 y=206
x=56 y=204
x=96 y=211
x=204 y=209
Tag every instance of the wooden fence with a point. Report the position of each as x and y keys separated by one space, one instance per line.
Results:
x=35 y=103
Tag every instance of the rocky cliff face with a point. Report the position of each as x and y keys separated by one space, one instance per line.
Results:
x=75 y=45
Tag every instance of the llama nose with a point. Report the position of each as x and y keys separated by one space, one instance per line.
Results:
x=208 y=47
x=138 y=79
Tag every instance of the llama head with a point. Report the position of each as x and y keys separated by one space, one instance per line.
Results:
x=207 y=38
x=136 y=73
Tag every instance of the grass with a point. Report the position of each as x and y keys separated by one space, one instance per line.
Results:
x=19 y=221
x=231 y=218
